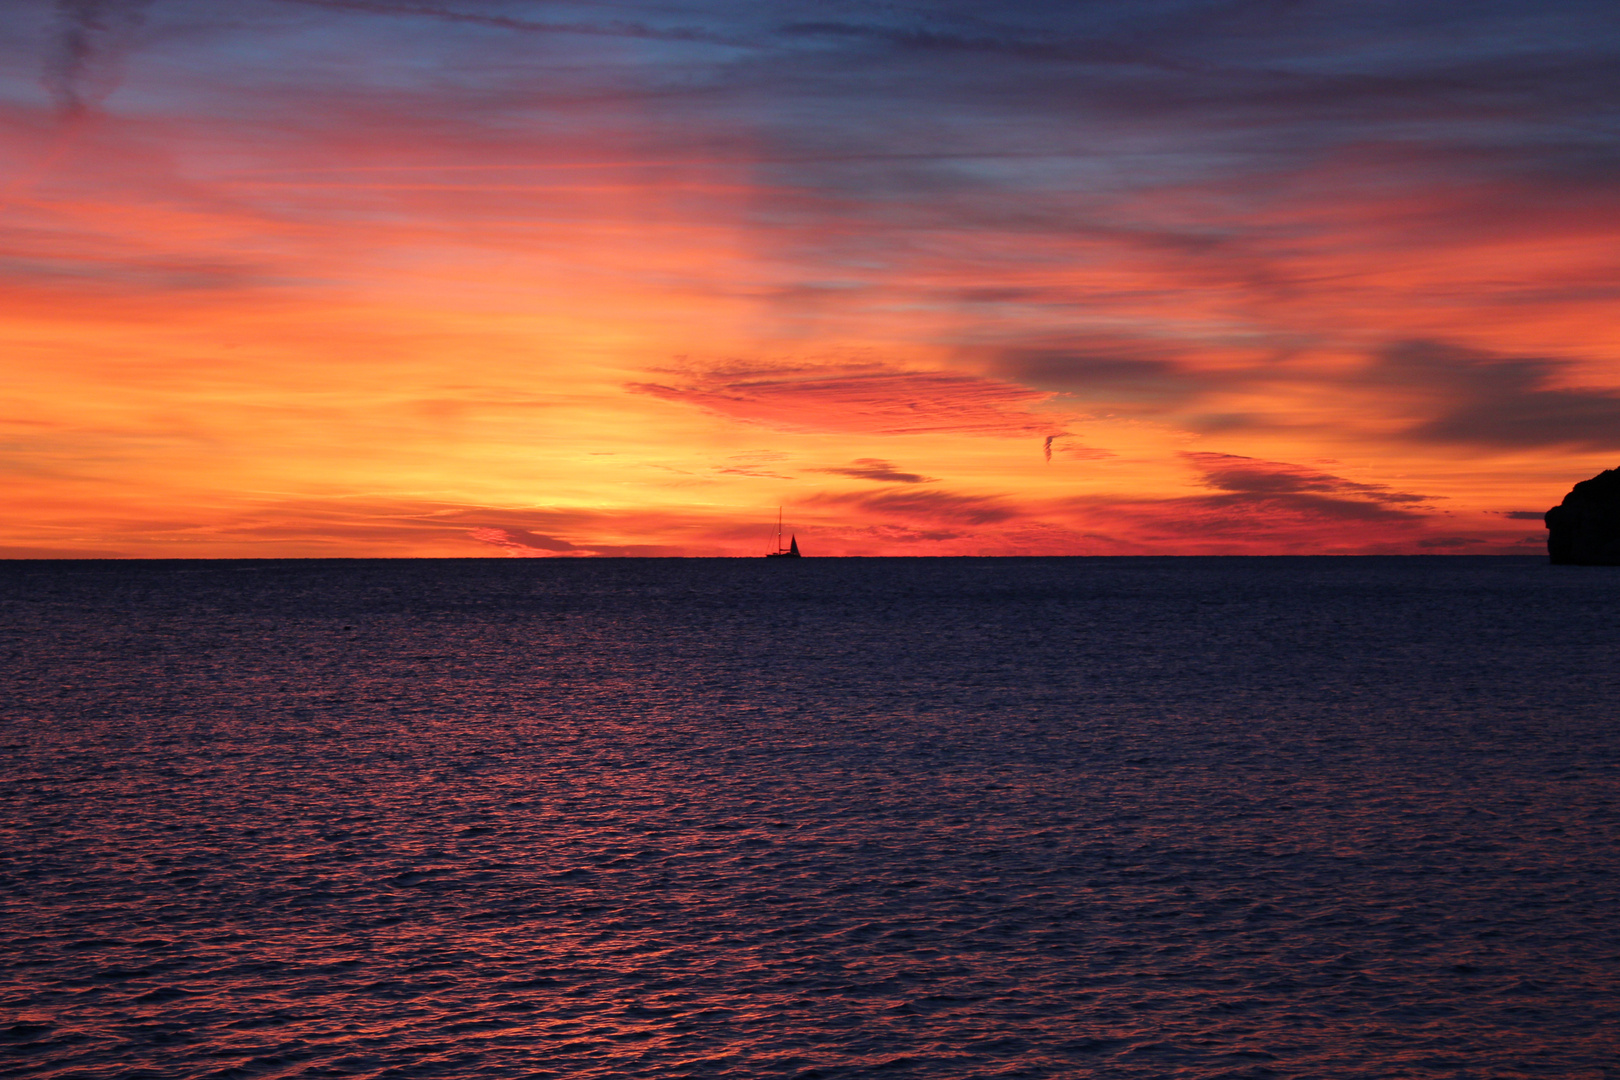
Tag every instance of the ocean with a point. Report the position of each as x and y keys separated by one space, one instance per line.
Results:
x=1113 y=817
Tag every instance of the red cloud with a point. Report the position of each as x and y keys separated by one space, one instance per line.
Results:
x=877 y=469
x=1265 y=507
x=1277 y=479
x=925 y=507
x=877 y=403
x=522 y=544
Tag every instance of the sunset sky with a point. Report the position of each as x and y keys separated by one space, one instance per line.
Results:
x=504 y=277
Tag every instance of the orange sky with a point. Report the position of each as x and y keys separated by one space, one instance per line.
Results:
x=330 y=279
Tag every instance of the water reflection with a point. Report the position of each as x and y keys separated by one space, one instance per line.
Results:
x=1043 y=818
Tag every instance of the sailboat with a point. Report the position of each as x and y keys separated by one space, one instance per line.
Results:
x=789 y=552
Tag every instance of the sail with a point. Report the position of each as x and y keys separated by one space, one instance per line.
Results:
x=790 y=552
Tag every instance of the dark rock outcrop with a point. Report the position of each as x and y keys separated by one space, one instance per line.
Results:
x=1584 y=529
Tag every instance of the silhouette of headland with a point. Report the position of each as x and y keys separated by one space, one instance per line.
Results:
x=1584 y=529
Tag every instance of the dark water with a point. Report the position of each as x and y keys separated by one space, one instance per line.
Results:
x=715 y=818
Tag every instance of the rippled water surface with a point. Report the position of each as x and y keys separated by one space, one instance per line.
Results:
x=724 y=818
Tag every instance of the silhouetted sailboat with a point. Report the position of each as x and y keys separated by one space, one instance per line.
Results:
x=789 y=552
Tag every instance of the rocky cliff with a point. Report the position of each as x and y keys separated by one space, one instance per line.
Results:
x=1584 y=529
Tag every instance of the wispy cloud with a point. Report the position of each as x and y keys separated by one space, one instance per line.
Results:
x=878 y=470
x=875 y=402
x=1138 y=375
x=1263 y=480
x=473 y=17
x=1259 y=505
x=521 y=543
x=1473 y=398
x=1446 y=394
x=915 y=507
x=84 y=63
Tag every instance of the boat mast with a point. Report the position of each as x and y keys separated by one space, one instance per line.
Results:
x=778 y=528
